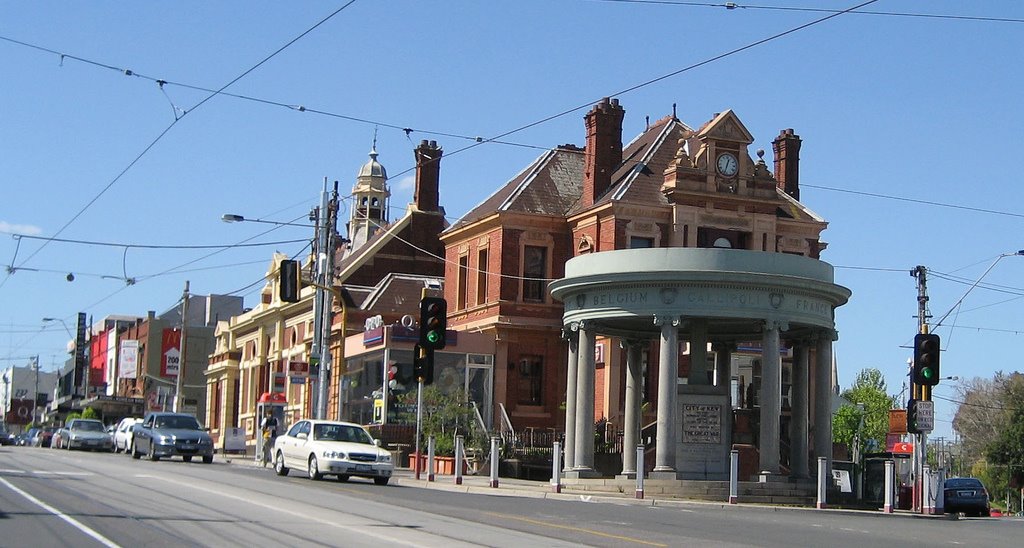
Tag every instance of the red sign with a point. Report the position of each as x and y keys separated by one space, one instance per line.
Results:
x=903 y=447
x=298 y=369
x=170 y=353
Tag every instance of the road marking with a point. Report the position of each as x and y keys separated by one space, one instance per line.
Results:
x=11 y=471
x=75 y=523
x=571 y=528
x=58 y=473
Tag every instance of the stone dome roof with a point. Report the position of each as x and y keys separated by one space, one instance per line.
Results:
x=373 y=168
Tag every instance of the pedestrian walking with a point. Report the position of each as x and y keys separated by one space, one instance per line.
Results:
x=268 y=429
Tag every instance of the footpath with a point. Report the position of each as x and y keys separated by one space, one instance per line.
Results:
x=513 y=487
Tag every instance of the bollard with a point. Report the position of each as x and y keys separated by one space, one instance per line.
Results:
x=889 y=486
x=556 y=468
x=940 y=493
x=734 y=476
x=458 y=459
x=640 y=471
x=494 y=461
x=822 y=481
x=430 y=458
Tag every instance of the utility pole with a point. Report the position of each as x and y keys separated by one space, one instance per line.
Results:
x=179 y=383
x=323 y=303
x=35 y=398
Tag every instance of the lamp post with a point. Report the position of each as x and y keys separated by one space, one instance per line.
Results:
x=66 y=328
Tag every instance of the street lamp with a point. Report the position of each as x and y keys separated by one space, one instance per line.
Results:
x=66 y=328
x=234 y=218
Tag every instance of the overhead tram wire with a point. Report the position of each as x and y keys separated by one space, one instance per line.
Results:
x=655 y=80
x=171 y=125
x=913 y=200
x=737 y=6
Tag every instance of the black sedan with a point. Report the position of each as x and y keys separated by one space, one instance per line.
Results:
x=966 y=495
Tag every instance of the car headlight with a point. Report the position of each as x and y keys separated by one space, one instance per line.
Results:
x=166 y=439
x=74 y=437
x=383 y=457
x=334 y=455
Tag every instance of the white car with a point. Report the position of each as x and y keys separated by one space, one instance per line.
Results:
x=334 y=448
x=124 y=433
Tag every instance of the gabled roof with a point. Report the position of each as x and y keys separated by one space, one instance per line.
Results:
x=360 y=256
x=398 y=293
x=641 y=174
x=550 y=185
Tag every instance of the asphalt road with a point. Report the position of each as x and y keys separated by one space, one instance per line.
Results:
x=60 y=498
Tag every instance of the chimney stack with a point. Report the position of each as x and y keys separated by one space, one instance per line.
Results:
x=787 y=162
x=428 y=171
x=604 y=148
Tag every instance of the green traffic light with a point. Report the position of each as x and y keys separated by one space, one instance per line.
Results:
x=927 y=373
x=433 y=336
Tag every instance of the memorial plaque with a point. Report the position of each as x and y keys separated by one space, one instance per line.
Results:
x=702 y=423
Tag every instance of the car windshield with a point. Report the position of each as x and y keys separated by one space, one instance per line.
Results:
x=177 y=423
x=88 y=426
x=340 y=432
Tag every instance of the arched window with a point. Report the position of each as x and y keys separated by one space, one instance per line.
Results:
x=723 y=243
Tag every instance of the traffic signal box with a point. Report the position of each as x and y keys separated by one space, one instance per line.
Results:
x=423 y=365
x=926 y=359
x=288 y=281
x=433 y=323
x=912 y=417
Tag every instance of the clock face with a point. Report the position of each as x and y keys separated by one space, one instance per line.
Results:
x=727 y=164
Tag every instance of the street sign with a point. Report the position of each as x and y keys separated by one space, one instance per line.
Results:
x=925 y=416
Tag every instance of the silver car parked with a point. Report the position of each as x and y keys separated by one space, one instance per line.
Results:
x=87 y=434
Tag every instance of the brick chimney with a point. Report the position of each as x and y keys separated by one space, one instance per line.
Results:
x=787 y=162
x=428 y=170
x=604 y=148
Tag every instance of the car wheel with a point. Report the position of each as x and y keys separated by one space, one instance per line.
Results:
x=152 y=452
x=343 y=477
x=381 y=481
x=186 y=458
x=314 y=470
x=279 y=466
x=207 y=459
x=135 y=452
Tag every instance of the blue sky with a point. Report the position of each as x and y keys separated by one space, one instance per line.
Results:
x=920 y=108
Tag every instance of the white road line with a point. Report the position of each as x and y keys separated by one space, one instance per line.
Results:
x=75 y=523
x=11 y=471
x=59 y=473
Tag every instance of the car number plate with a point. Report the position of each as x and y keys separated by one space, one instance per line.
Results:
x=965 y=493
x=188 y=446
x=362 y=468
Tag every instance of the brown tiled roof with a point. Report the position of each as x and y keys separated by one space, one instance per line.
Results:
x=550 y=185
x=641 y=174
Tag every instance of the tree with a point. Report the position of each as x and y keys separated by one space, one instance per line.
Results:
x=975 y=420
x=444 y=417
x=1007 y=449
x=90 y=413
x=869 y=390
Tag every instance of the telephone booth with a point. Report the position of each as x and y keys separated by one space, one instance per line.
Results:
x=275 y=402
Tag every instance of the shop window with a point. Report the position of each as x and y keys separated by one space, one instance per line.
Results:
x=531 y=380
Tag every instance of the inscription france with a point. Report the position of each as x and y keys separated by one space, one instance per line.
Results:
x=702 y=423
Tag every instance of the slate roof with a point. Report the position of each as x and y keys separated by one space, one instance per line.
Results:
x=551 y=185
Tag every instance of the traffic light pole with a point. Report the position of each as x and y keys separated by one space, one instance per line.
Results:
x=920 y=392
